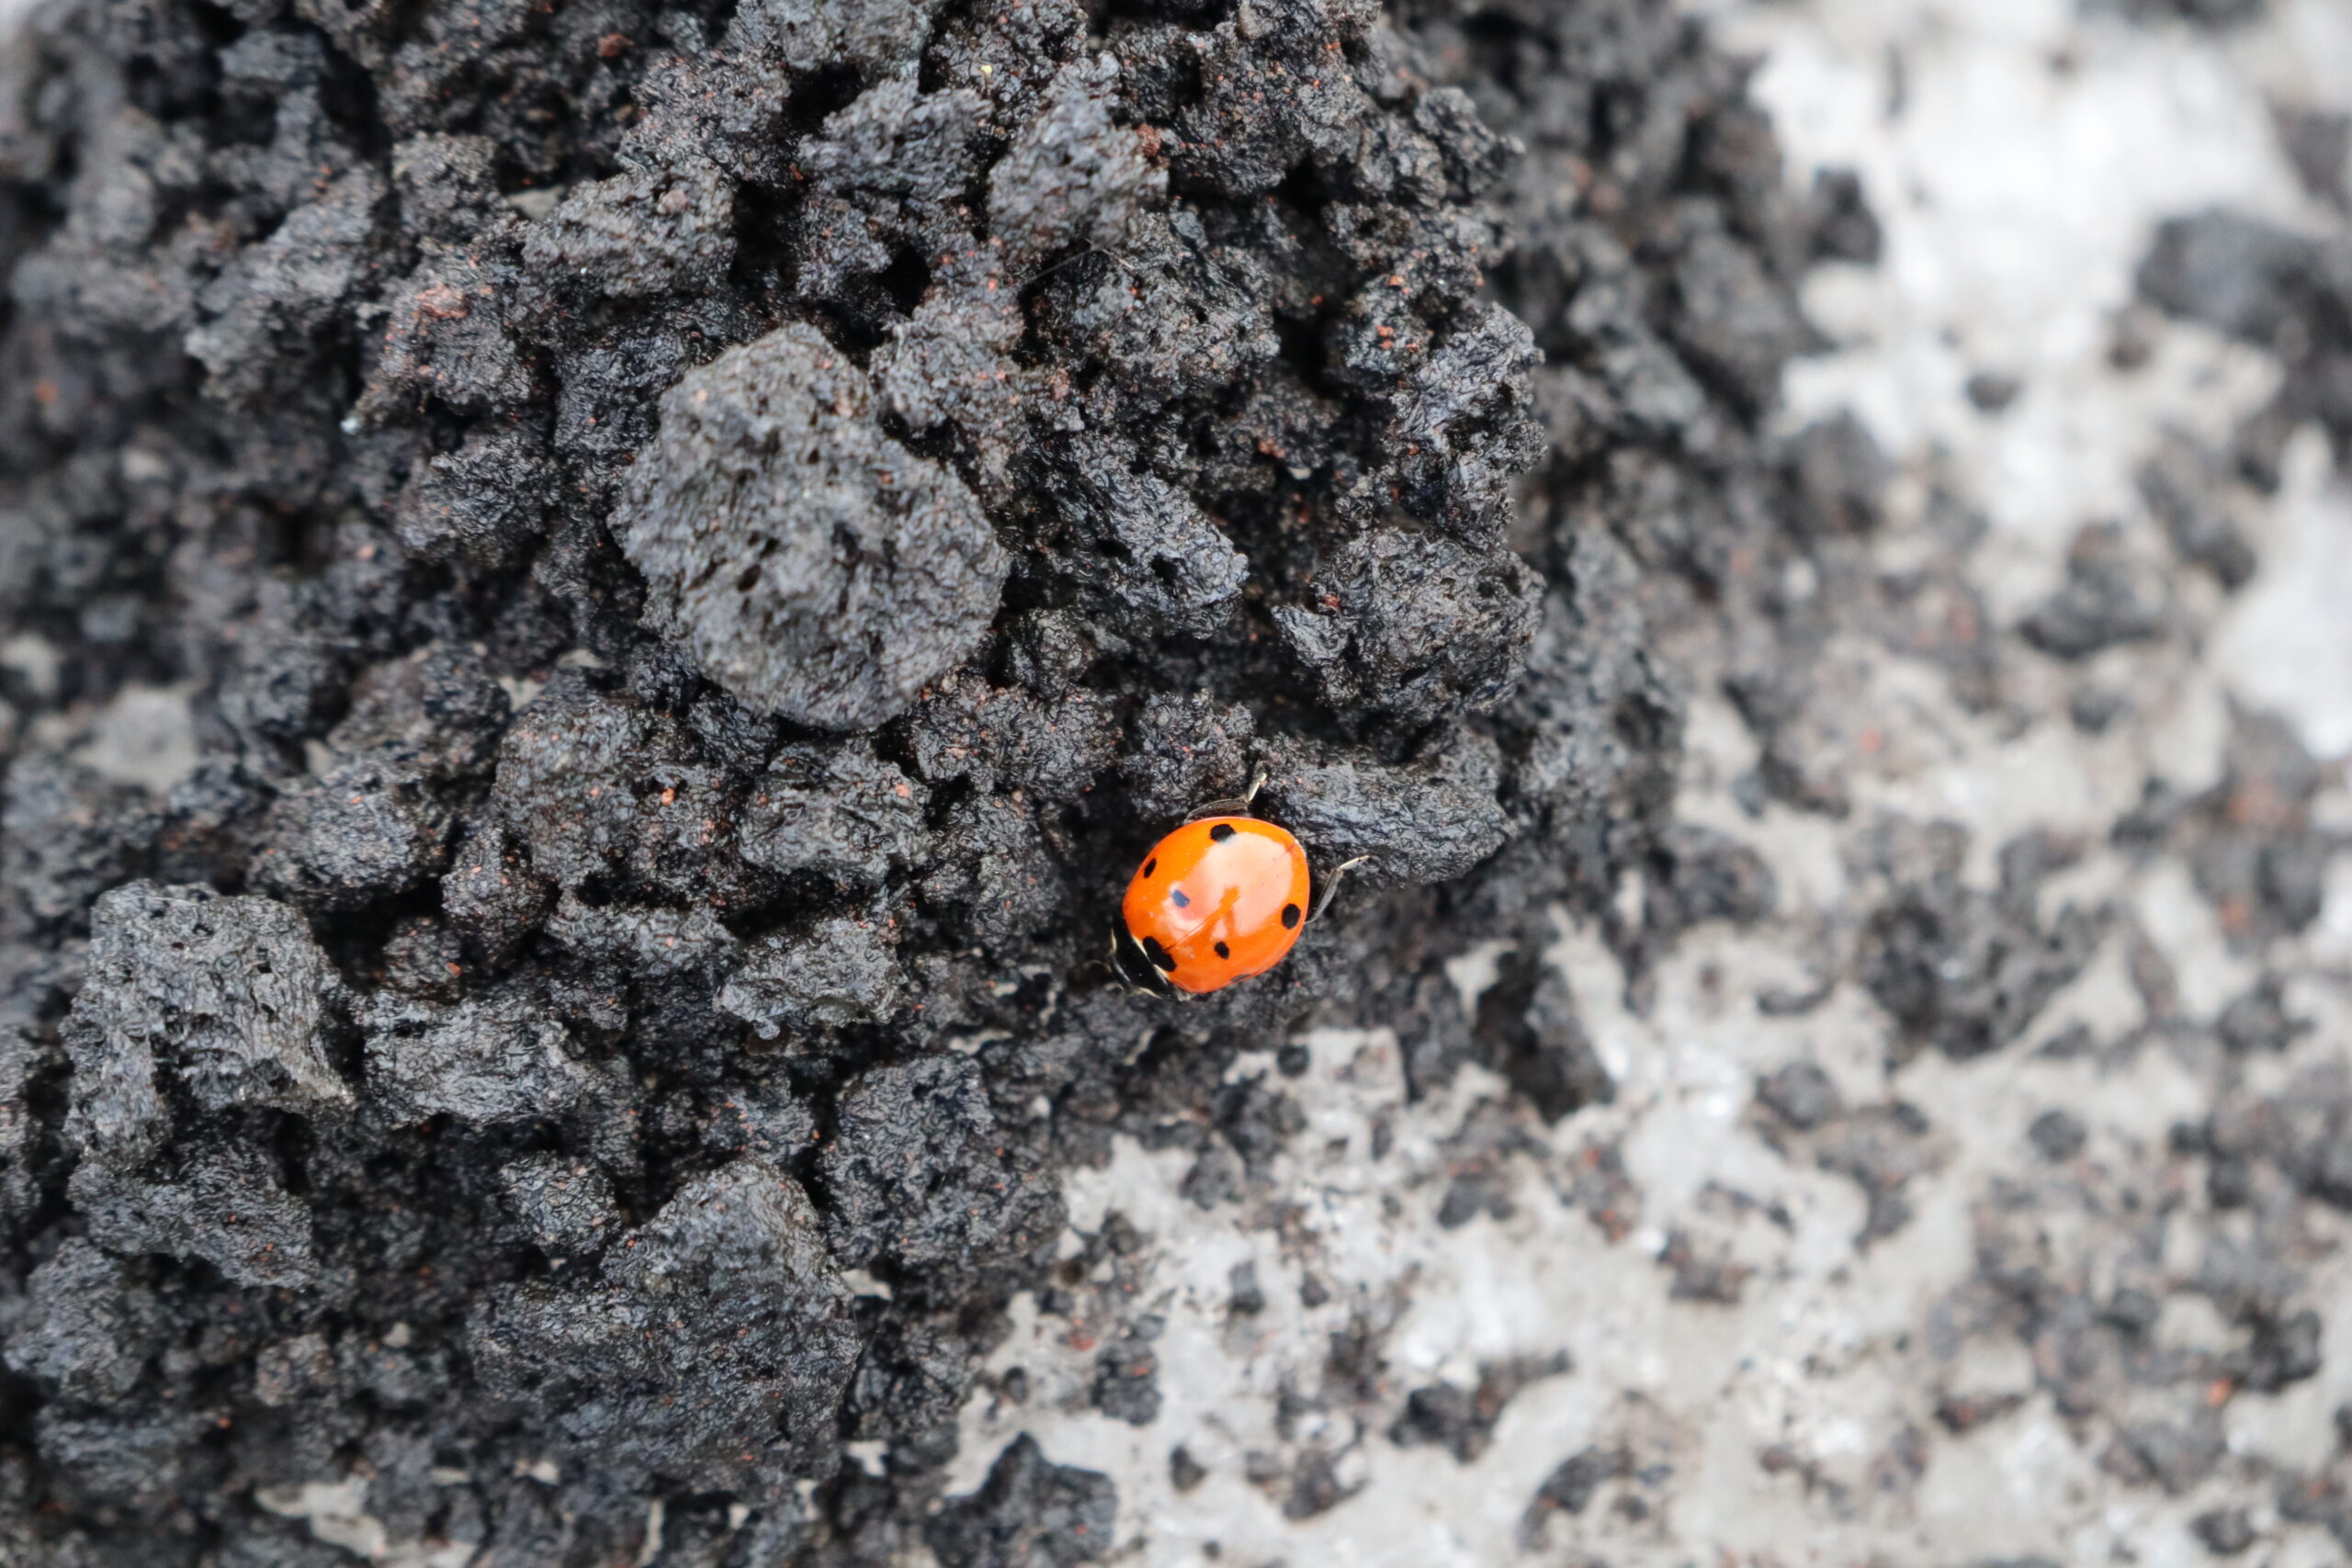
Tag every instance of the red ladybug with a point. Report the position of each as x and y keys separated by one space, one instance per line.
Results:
x=1221 y=898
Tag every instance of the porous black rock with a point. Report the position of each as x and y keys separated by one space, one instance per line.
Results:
x=91 y=1326
x=494 y=1058
x=919 y=1175
x=816 y=568
x=840 y=973
x=359 y=834
x=638 y=234
x=225 y=1206
x=566 y=1210
x=837 y=812
x=1425 y=821
x=1800 y=1094
x=714 y=1346
x=2109 y=598
x=227 y=999
x=66 y=835
x=604 y=812
x=1965 y=969
x=1032 y=1513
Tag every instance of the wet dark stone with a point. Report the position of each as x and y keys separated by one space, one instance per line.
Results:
x=1844 y=227
x=825 y=583
x=1126 y=1375
x=1800 y=1094
x=1031 y=1513
x=1991 y=391
x=1961 y=971
x=2109 y=598
x=2057 y=1135
x=1569 y=1490
x=715 y=1345
x=703 y=544
x=2225 y=1532
x=1462 y=1421
x=2318 y=142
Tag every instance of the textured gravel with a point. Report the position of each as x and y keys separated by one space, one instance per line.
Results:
x=594 y=603
x=1822 y=1299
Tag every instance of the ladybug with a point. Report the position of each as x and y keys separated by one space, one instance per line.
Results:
x=1221 y=898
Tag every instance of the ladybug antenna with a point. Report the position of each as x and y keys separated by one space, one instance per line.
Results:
x=1331 y=887
x=1109 y=965
x=1235 y=806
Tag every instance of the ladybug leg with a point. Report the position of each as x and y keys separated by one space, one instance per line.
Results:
x=1110 y=961
x=1236 y=805
x=1331 y=887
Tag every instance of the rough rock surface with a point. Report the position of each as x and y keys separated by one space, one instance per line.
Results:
x=818 y=569
x=596 y=599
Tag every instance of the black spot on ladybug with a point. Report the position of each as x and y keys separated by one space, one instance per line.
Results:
x=1159 y=955
x=1290 y=916
x=1176 y=896
x=1149 y=866
x=1223 y=951
x=1221 y=832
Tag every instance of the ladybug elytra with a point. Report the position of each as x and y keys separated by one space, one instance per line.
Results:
x=1221 y=898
